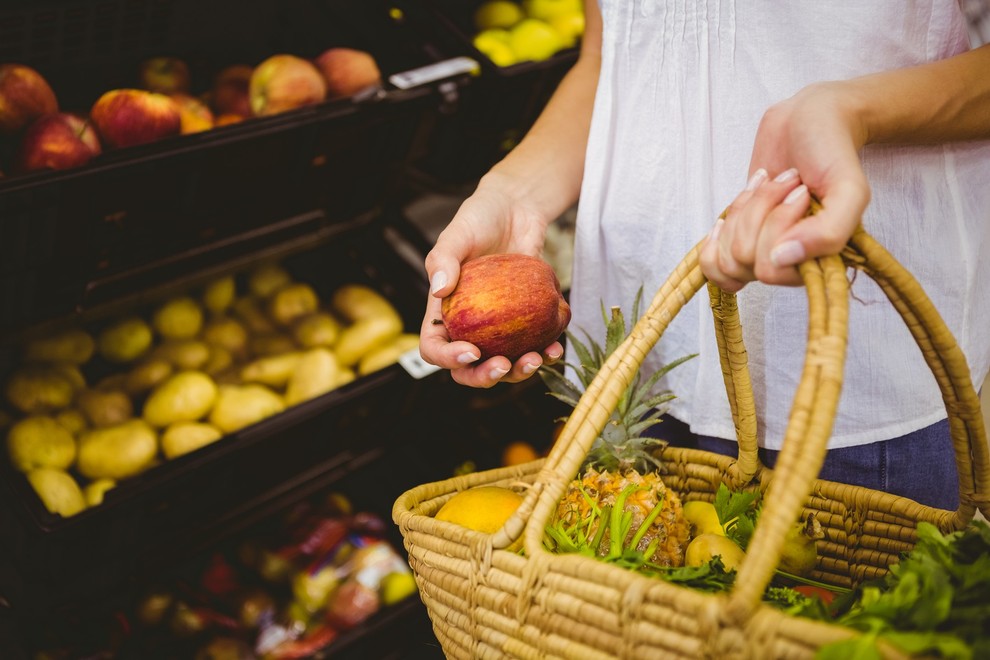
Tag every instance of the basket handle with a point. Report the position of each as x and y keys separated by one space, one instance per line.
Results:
x=812 y=414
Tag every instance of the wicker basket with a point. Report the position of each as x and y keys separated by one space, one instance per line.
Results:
x=486 y=602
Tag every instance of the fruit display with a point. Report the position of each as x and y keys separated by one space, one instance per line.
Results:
x=89 y=407
x=164 y=100
x=288 y=588
x=509 y=32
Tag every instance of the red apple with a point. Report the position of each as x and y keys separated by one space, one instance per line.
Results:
x=24 y=96
x=347 y=71
x=285 y=82
x=506 y=304
x=194 y=115
x=56 y=142
x=126 y=117
x=165 y=75
x=229 y=94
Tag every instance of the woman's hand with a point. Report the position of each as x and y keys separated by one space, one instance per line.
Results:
x=806 y=144
x=488 y=222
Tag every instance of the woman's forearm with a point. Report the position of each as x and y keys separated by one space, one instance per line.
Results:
x=545 y=169
x=943 y=101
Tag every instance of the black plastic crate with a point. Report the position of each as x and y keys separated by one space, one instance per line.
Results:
x=493 y=113
x=61 y=231
x=176 y=507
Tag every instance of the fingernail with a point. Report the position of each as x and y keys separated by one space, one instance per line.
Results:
x=787 y=253
x=716 y=230
x=466 y=358
x=529 y=368
x=759 y=176
x=786 y=175
x=438 y=282
x=495 y=374
x=554 y=356
x=796 y=194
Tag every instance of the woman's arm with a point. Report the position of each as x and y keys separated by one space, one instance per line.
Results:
x=510 y=210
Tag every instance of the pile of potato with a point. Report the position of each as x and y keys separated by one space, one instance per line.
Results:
x=88 y=408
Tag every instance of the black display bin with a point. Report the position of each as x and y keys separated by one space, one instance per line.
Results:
x=494 y=112
x=63 y=235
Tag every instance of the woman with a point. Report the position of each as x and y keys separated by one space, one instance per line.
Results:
x=879 y=109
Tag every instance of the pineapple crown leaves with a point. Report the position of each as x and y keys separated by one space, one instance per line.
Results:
x=621 y=442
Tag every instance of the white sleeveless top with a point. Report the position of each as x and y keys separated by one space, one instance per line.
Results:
x=683 y=86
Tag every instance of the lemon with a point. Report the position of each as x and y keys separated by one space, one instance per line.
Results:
x=494 y=44
x=397 y=586
x=483 y=509
x=570 y=27
x=547 y=9
x=533 y=39
x=497 y=14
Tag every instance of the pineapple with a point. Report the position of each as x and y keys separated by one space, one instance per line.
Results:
x=621 y=474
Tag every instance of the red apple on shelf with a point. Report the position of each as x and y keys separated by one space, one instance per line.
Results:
x=506 y=304
x=285 y=82
x=128 y=117
x=25 y=95
x=229 y=94
x=194 y=115
x=58 y=141
x=347 y=71
x=165 y=75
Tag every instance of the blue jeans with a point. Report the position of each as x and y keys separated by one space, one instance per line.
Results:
x=920 y=465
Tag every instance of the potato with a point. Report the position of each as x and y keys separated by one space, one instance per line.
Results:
x=272 y=344
x=249 y=311
x=58 y=491
x=315 y=374
x=179 y=318
x=319 y=329
x=125 y=340
x=117 y=452
x=40 y=442
x=75 y=346
x=111 y=382
x=364 y=336
x=387 y=354
x=355 y=302
x=226 y=332
x=183 y=437
x=292 y=302
x=220 y=360
x=71 y=373
x=40 y=388
x=94 y=491
x=184 y=397
x=242 y=405
x=272 y=370
x=147 y=375
x=189 y=354
x=267 y=279
x=105 y=407
x=73 y=420
x=218 y=295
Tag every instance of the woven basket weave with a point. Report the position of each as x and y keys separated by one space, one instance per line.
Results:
x=487 y=602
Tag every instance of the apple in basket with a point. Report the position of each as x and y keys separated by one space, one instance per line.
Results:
x=166 y=75
x=506 y=304
x=24 y=96
x=57 y=141
x=347 y=71
x=127 y=117
x=229 y=94
x=285 y=82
